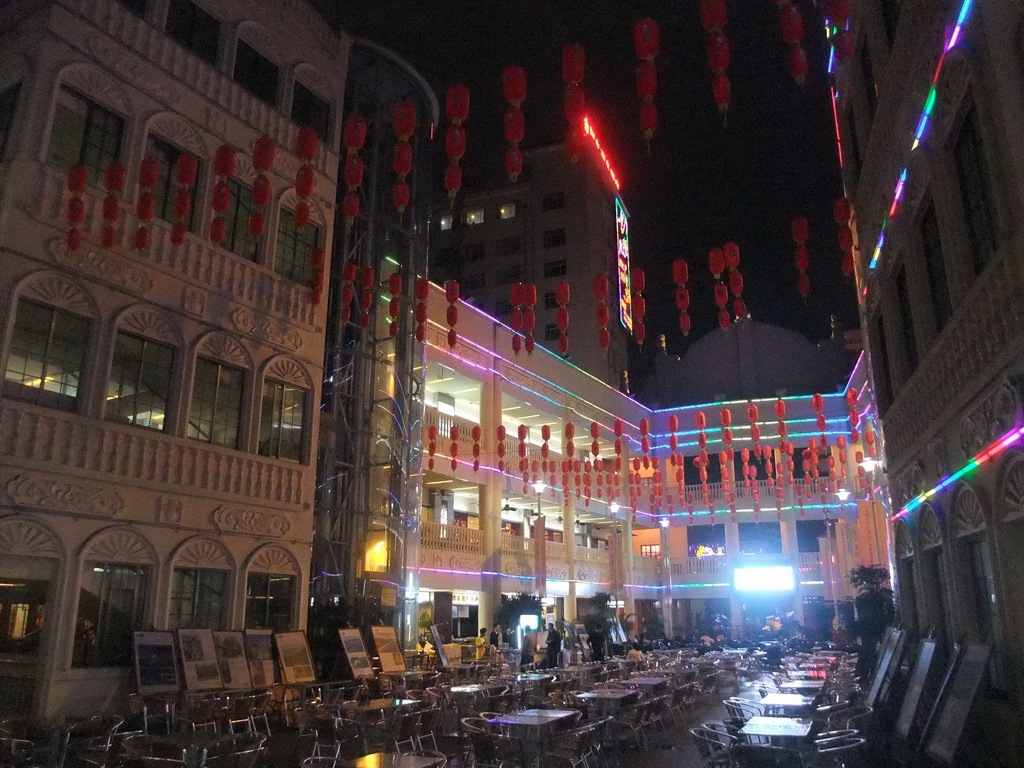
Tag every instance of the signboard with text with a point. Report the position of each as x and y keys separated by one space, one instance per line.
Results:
x=622 y=265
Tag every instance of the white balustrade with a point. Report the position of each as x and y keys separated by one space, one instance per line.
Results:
x=450 y=538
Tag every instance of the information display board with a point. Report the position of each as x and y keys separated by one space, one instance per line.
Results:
x=911 y=699
x=355 y=652
x=234 y=669
x=156 y=668
x=944 y=738
x=885 y=658
x=388 y=649
x=259 y=653
x=296 y=662
x=199 y=659
x=442 y=655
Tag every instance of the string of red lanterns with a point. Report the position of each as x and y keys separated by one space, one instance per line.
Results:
x=113 y=181
x=513 y=83
x=403 y=121
x=395 y=303
x=601 y=287
x=500 y=434
x=263 y=151
x=792 y=22
x=366 y=278
x=680 y=276
x=712 y=18
x=451 y=293
x=353 y=137
x=637 y=284
x=349 y=275
x=646 y=44
x=841 y=214
x=457 y=110
x=149 y=177
x=431 y=445
x=422 y=294
x=76 y=183
x=224 y=167
x=562 y=316
x=186 y=167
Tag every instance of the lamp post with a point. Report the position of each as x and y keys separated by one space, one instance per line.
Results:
x=539 y=487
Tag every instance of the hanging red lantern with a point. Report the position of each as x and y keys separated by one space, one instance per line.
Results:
x=721 y=92
x=451 y=293
x=400 y=195
x=513 y=82
x=712 y=15
x=573 y=63
x=514 y=126
x=645 y=40
x=801 y=230
x=731 y=255
x=718 y=53
x=224 y=160
x=457 y=103
x=513 y=163
x=350 y=206
x=453 y=179
x=354 y=133
x=149 y=177
x=648 y=119
x=403 y=120
x=798 y=64
x=306 y=142
x=792 y=24
x=114 y=181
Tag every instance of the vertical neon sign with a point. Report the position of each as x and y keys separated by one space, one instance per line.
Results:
x=622 y=262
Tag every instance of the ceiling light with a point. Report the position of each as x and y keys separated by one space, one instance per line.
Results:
x=843 y=494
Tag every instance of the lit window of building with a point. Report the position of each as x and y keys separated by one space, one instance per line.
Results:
x=475 y=216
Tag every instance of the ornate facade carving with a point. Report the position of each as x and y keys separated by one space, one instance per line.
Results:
x=193 y=301
x=45 y=492
x=57 y=290
x=239 y=520
x=908 y=485
x=201 y=552
x=20 y=536
x=119 y=545
x=169 y=126
x=273 y=559
x=220 y=346
x=968 y=514
x=150 y=323
x=904 y=540
x=993 y=417
x=289 y=371
x=931 y=529
x=93 y=82
x=102 y=264
x=136 y=71
x=1012 y=496
x=265 y=328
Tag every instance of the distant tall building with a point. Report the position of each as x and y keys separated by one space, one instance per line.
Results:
x=560 y=221
x=929 y=116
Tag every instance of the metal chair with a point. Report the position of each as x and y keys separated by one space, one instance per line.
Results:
x=714 y=747
x=763 y=756
x=241 y=750
x=842 y=752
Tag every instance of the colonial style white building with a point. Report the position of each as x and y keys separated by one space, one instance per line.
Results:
x=158 y=413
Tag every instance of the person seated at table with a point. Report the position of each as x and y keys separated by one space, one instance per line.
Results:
x=635 y=654
x=481 y=644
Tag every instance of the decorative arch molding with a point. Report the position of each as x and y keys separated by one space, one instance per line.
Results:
x=289 y=370
x=954 y=88
x=930 y=529
x=312 y=78
x=20 y=535
x=13 y=68
x=272 y=558
x=1011 y=487
x=119 y=544
x=260 y=38
x=289 y=200
x=968 y=512
x=221 y=346
x=93 y=82
x=245 y=170
x=203 y=552
x=904 y=539
x=58 y=290
x=170 y=127
x=149 y=322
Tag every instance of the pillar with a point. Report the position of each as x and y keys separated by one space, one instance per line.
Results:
x=490 y=504
x=791 y=549
x=666 y=574
x=569 y=537
x=626 y=553
x=732 y=554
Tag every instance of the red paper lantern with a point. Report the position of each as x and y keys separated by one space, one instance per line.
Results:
x=716 y=262
x=721 y=92
x=736 y=284
x=798 y=64
x=402 y=162
x=263 y=151
x=350 y=206
x=646 y=80
x=353 y=173
x=721 y=295
x=712 y=15
x=803 y=284
x=792 y=24
x=645 y=38
x=224 y=160
x=802 y=258
x=453 y=179
x=403 y=120
x=306 y=142
x=457 y=103
x=800 y=228
x=731 y=255
x=451 y=291
x=261 y=191
x=513 y=163
x=149 y=172
x=648 y=119
x=573 y=63
x=114 y=176
x=841 y=210
x=514 y=125
x=400 y=195
x=354 y=133
x=718 y=53
x=513 y=83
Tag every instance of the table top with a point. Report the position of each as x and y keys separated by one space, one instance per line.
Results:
x=390 y=760
x=810 y=685
x=605 y=693
x=470 y=688
x=533 y=677
x=776 y=726
x=380 y=703
x=787 y=700
x=409 y=674
x=535 y=717
x=649 y=681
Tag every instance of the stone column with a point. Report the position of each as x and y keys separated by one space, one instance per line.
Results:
x=666 y=580
x=732 y=554
x=791 y=549
x=569 y=537
x=626 y=552
x=490 y=502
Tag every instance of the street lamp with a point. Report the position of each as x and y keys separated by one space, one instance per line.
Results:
x=538 y=486
x=870 y=465
x=614 y=507
x=664 y=522
x=843 y=494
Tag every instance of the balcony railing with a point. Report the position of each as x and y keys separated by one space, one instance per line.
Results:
x=514 y=545
x=709 y=565
x=646 y=571
x=451 y=538
x=555 y=550
x=596 y=556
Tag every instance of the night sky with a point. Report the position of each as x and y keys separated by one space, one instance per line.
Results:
x=703 y=181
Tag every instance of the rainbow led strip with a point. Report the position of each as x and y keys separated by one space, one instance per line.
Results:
x=922 y=124
x=992 y=451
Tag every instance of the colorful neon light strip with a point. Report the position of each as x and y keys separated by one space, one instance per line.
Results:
x=922 y=125
x=992 y=451
x=589 y=130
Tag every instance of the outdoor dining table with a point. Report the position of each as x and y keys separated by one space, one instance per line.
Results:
x=649 y=683
x=787 y=702
x=803 y=685
x=190 y=744
x=534 y=725
x=607 y=700
x=391 y=760
x=777 y=727
x=362 y=708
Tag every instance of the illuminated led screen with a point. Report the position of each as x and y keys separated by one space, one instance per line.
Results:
x=622 y=261
x=772 y=578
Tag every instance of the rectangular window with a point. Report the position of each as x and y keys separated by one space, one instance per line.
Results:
x=140 y=381
x=294 y=258
x=509 y=275
x=474 y=282
x=935 y=266
x=216 y=409
x=475 y=216
x=650 y=550
x=198 y=598
x=551 y=332
x=236 y=220
x=8 y=102
x=446 y=222
x=553 y=201
x=193 y=29
x=760 y=538
x=46 y=356
x=550 y=301
x=166 y=187
x=870 y=91
x=975 y=189
x=282 y=421
x=24 y=586
x=256 y=73
x=268 y=601
x=84 y=133
x=111 y=606
x=555 y=268
x=906 y=321
x=310 y=111
x=508 y=246
x=475 y=252
x=986 y=609
x=554 y=237
x=507 y=211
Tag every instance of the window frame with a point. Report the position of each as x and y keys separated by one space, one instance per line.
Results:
x=934 y=264
x=554 y=238
x=504 y=209
x=174 y=618
x=195 y=39
x=256 y=71
x=95 y=168
x=556 y=268
x=309 y=237
x=274 y=430
x=217 y=406
x=975 y=183
x=112 y=656
x=236 y=223
x=311 y=99
x=167 y=187
x=466 y=217
x=109 y=411
x=251 y=600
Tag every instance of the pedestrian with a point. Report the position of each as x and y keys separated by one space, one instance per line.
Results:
x=529 y=648
x=554 y=654
x=597 y=644
x=496 y=635
x=481 y=644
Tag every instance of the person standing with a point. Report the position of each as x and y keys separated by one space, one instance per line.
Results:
x=597 y=645
x=554 y=654
x=481 y=644
x=529 y=648
x=496 y=635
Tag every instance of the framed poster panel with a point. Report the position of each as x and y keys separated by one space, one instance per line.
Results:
x=293 y=653
x=584 y=640
x=435 y=636
x=885 y=657
x=355 y=652
x=259 y=653
x=234 y=669
x=156 y=668
x=911 y=699
x=895 y=664
x=944 y=738
x=199 y=659
x=388 y=649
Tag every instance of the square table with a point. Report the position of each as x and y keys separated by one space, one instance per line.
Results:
x=651 y=683
x=606 y=699
x=803 y=685
x=776 y=727
x=786 y=701
x=535 y=724
x=390 y=760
